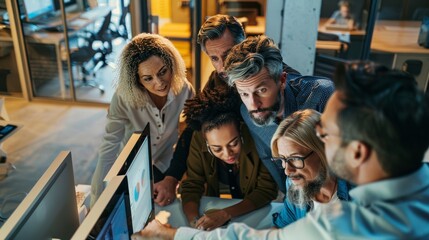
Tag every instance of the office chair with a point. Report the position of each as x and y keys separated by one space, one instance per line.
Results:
x=344 y=46
x=101 y=40
x=120 y=30
x=325 y=65
x=88 y=61
x=92 y=55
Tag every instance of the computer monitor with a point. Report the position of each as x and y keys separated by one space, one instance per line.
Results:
x=135 y=160
x=110 y=217
x=50 y=208
x=128 y=154
x=140 y=186
x=35 y=9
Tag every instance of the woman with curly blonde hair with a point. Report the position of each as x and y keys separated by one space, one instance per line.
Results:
x=151 y=88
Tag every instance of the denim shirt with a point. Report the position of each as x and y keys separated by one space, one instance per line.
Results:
x=291 y=212
x=301 y=92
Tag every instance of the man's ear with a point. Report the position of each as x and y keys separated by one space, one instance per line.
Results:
x=358 y=152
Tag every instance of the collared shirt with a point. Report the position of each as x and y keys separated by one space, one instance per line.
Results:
x=301 y=92
x=123 y=120
x=396 y=208
x=291 y=212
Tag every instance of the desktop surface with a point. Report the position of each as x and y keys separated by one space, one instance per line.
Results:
x=259 y=219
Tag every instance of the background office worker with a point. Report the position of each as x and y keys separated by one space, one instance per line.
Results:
x=222 y=159
x=301 y=153
x=269 y=93
x=375 y=129
x=151 y=88
x=343 y=16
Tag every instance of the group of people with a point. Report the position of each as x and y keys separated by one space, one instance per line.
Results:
x=346 y=153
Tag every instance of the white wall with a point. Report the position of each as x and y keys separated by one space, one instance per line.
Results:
x=296 y=33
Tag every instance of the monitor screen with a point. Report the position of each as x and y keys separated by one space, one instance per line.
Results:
x=128 y=153
x=110 y=217
x=135 y=160
x=50 y=208
x=35 y=9
x=140 y=185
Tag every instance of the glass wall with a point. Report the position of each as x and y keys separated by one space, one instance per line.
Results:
x=9 y=78
x=72 y=46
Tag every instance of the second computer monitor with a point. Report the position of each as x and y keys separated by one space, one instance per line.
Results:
x=110 y=217
x=50 y=209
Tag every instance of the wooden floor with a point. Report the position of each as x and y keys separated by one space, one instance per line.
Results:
x=48 y=129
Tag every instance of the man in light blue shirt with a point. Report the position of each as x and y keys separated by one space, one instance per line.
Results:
x=375 y=129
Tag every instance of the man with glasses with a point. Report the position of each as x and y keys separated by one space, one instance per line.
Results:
x=375 y=129
x=296 y=147
x=270 y=93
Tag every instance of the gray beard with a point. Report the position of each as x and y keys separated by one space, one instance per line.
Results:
x=264 y=122
x=268 y=120
x=303 y=196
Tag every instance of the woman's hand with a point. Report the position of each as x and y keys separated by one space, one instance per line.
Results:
x=213 y=219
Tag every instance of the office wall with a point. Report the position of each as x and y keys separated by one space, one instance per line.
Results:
x=296 y=32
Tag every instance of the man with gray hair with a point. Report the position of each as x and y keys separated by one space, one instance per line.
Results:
x=270 y=94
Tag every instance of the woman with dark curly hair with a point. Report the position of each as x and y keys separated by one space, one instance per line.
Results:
x=151 y=88
x=222 y=159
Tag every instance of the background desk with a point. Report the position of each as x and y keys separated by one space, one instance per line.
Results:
x=400 y=39
x=259 y=219
x=57 y=38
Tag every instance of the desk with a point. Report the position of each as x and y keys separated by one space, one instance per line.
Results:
x=259 y=219
x=341 y=33
x=57 y=38
x=400 y=39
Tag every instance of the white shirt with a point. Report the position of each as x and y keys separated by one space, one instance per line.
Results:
x=317 y=204
x=396 y=208
x=123 y=120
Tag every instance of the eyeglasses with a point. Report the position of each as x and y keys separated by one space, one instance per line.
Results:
x=295 y=162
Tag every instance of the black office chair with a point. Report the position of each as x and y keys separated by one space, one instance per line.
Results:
x=344 y=46
x=91 y=56
x=325 y=65
x=120 y=29
x=101 y=40
x=88 y=61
